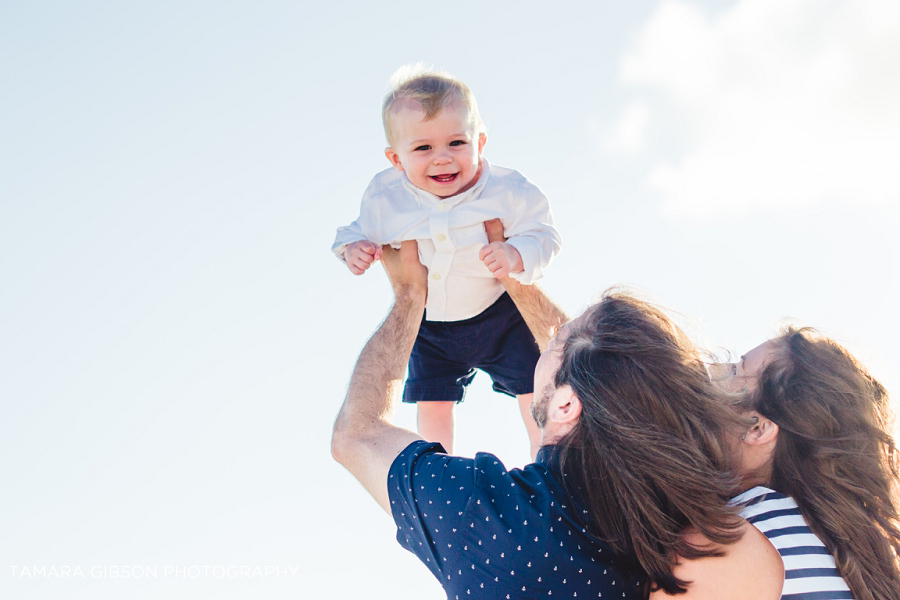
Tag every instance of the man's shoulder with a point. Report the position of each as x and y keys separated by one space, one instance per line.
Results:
x=488 y=469
x=416 y=450
x=485 y=469
x=533 y=483
x=424 y=468
x=415 y=470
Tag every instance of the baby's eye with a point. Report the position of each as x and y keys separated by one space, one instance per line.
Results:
x=422 y=148
x=457 y=142
x=734 y=368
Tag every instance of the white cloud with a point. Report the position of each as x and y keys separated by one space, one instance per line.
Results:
x=630 y=131
x=791 y=102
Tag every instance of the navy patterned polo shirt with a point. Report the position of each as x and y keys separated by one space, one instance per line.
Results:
x=487 y=533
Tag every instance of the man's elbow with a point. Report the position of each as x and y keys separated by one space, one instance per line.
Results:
x=346 y=440
x=340 y=441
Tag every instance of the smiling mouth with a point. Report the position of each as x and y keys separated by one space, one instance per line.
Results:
x=445 y=178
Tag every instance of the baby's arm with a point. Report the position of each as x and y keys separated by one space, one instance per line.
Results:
x=353 y=243
x=386 y=214
x=360 y=255
x=532 y=233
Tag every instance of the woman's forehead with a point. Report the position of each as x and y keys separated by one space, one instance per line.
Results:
x=759 y=357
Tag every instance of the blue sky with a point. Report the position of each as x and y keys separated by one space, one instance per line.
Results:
x=177 y=337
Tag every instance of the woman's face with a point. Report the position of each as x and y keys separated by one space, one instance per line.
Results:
x=756 y=446
x=742 y=376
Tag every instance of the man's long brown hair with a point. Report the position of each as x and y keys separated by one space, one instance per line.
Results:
x=835 y=456
x=648 y=450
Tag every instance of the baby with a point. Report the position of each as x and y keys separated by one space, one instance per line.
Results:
x=439 y=192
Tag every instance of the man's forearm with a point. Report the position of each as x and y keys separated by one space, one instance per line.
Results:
x=543 y=316
x=382 y=362
x=365 y=439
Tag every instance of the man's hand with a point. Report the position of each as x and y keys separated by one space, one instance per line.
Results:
x=404 y=270
x=501 y=259
x=360 y=256
x=494 y=231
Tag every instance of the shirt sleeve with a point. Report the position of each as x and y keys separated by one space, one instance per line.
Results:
x=345 y=236
x=533 y=233
x=365 y=227
x=429 y=493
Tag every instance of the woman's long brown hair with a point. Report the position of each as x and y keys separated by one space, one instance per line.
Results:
x=836 y=456
x=648 y=450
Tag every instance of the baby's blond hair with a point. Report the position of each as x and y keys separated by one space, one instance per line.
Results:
x=430 y=89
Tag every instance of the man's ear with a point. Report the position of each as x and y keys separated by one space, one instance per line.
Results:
x=565 y=407
x=482 y=140
x=394 y=158
x=764 y=431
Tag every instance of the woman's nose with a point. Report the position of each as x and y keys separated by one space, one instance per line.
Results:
x=718 y=370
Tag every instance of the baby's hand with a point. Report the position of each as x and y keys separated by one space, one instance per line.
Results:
x=360 y=256
x=501 y=259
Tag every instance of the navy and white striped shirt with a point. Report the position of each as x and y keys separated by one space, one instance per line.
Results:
x=809 y=570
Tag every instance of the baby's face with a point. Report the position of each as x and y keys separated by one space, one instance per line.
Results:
x=441 y=155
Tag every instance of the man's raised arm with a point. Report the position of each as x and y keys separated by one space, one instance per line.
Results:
x=365 y=440
x=543 y=316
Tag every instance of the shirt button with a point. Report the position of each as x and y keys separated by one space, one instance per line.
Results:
x=442 y=206
x=436 y=276
x=441 y=237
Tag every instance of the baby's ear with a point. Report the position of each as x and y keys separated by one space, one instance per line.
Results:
x=482 y=140
x=394 y=158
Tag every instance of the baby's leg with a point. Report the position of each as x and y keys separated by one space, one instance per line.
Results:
x=534 y=433
x=435 y=420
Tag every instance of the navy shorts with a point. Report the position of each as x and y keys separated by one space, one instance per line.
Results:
x=446 y=354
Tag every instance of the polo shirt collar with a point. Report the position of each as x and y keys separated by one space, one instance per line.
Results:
x=548 y=456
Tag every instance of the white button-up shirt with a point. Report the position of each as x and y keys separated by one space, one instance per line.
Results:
x=450 y=233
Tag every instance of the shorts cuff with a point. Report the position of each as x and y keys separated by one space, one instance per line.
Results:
x=515 y=388
x=414 y=393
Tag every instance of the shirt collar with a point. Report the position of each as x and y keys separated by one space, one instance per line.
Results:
x=423 y=197
x=548 y=457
